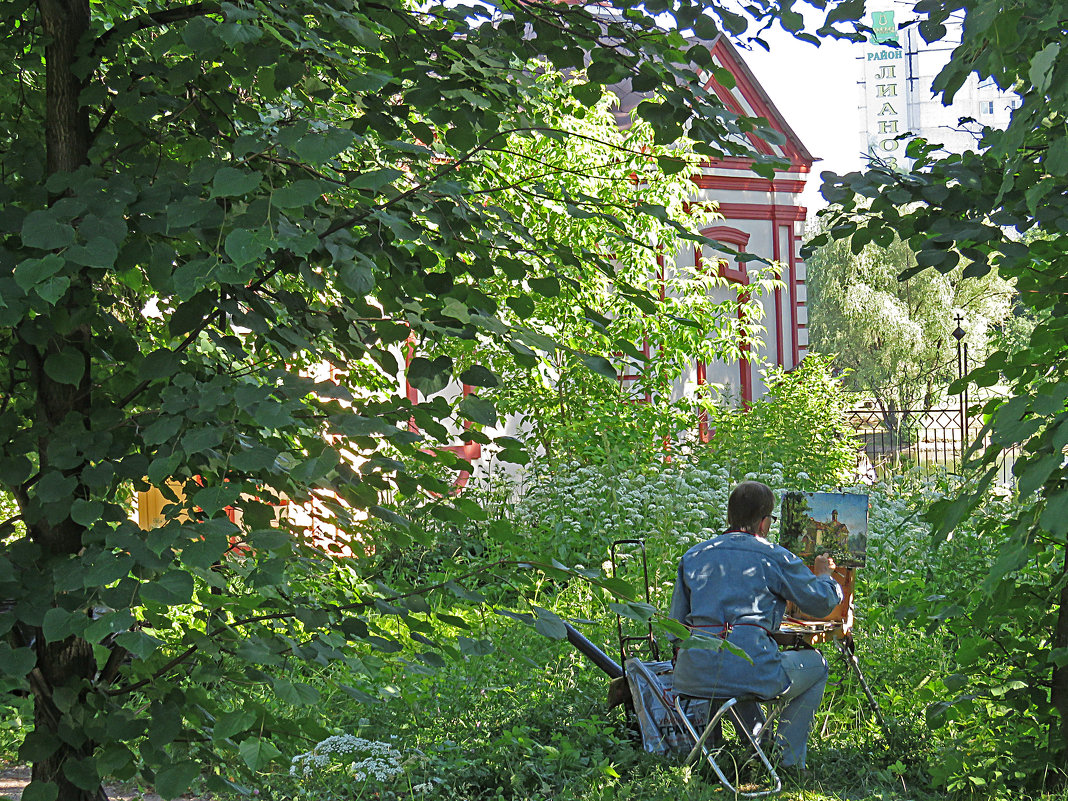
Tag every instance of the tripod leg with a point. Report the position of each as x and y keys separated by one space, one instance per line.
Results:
x=848 y=651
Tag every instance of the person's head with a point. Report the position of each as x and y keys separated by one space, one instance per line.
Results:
x=750 y=503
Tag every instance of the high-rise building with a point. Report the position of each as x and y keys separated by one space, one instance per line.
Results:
x=897 y=100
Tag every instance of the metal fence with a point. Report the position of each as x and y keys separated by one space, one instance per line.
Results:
x=930 y=440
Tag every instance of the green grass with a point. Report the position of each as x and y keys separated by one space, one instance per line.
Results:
x=530 y=721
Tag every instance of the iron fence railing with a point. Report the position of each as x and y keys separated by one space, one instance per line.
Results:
x=931 y=440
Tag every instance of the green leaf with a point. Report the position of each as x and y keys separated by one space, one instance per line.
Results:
x=546 y=287
x=675 y=628
x=700 y=640
x=478 y=410
x=295 y=693
x=522 y=305
x=1056 y=161
x=138 y=643
x=618 y=586
x=1055 y=514
x=643 y=613
x=475 y=647
x=162 y=430
x=299 y=193
x=32 y=272
x=389 y=516
x=254 y=459
x=587 y=93
x=512 y=450
x=82 y=773
x=16 y=662
x=232 y=182
x=1040 y=72
x=192 y=313
x=375 y=179
x=955 y=682
x=214 y=499
x=245 y=247
x=40 y=791
x=99 y=251
x=429 y=376
x=599 y=365
x=42 y=230
x=52 y=289
x=549 y=624
x=319 y=147
x=15 y=470
x=168 y=589
x=66 y=367
x=85 y=513
x=257 y=752
x=734 y=23
x=111 y=623
x=478 y=376
x=60 y=624
x=173 y=780
x=358 y=277
x=54 y=487
x=1059 y=657
x=231 y=723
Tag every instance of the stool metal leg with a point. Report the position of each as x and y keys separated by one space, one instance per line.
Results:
x=701 y=749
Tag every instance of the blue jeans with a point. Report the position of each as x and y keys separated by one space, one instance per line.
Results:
x=807 y=671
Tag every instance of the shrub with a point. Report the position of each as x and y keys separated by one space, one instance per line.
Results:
x=799 y=425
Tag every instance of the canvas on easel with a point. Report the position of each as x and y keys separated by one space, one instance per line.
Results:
x=835 y=523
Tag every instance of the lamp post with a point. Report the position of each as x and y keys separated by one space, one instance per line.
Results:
x=962 y=370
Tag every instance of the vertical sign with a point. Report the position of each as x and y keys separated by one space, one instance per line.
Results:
x=885 y=91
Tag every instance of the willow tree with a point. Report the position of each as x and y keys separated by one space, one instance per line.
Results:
x=896 y=337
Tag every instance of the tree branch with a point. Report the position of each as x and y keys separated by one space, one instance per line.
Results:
x=182 y=657
x=154 y=20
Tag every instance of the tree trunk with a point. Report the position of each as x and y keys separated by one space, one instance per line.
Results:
x=1059 y=736
x=68 y=665
x=66 y=22
x=65 y=664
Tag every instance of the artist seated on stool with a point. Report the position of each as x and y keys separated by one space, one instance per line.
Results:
x=736 y=586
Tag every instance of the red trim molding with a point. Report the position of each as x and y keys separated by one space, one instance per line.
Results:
x=759 y=211
x=743 y=184
x=794 y=304
x=746 y=164
x=729 y=59
x=776 y=250
x=727 y=235
x=737 y=274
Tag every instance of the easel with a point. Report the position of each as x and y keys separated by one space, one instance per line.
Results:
x=798 y=629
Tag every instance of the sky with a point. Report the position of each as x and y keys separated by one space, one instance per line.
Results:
x=816 y=90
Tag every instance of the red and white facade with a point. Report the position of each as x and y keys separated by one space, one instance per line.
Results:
x=762 y=217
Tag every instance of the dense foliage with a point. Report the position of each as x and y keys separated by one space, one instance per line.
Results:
x=798 y=425
x=597 y=186
x=528 y=720
x=1002 y=206
x=221 y=224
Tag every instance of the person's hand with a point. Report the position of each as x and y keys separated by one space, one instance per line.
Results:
x=824 y=565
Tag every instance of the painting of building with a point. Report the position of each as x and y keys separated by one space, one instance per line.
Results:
x=834 y=523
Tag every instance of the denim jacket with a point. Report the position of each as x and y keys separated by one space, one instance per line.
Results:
x=737 y=585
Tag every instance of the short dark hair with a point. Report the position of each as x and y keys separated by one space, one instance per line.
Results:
x=750 y=502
